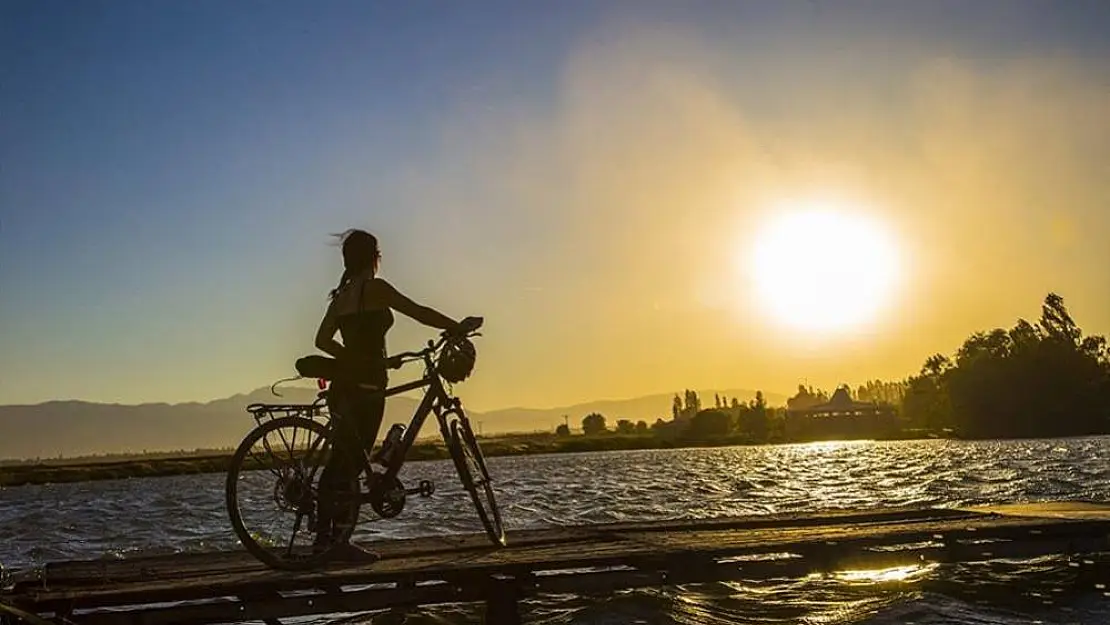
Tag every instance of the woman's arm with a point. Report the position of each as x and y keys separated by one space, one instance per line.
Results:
x=409 y=308
x=325 y=335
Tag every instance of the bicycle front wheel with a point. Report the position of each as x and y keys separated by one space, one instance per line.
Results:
x=471 y=466
x=273 y=493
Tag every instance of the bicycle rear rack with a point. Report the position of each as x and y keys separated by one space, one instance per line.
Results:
x=269 y=412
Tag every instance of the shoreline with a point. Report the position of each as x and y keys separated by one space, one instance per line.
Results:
x=167 y=464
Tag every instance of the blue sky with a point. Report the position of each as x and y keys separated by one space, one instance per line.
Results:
x=171 y=172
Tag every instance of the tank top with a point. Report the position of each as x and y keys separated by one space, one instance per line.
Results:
x=363 y=333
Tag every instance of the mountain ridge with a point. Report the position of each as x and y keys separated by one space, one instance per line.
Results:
x=73 y=427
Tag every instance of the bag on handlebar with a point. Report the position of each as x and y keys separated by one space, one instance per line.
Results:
x=456 y=359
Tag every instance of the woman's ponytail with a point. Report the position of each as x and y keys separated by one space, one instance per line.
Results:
x=343 y=280
x=360 y=253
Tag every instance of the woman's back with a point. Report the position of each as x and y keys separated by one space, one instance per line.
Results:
x=364 y=317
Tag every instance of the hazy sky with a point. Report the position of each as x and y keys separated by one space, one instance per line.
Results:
x=586 y=175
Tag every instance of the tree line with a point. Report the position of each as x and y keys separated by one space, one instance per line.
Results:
x=1036 y=379
x=730 y=419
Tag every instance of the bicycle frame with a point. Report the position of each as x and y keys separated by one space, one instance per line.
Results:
x=436 y=400
x=380 y=486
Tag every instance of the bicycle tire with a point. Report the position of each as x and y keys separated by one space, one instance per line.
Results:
x=469 y=459
x=301 y=561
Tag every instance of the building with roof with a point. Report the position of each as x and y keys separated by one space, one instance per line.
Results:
x=839 y=418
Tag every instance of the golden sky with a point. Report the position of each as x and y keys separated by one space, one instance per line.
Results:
x=661 y=158
x=595 y=188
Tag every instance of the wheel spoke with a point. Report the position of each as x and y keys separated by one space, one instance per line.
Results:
x=286 y=442
x=293 y=535
x=273 y=512
x=309 y=456
x=262 y=463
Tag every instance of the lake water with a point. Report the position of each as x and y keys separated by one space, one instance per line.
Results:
x=186 y=513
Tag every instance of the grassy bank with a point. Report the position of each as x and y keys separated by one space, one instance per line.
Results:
x=83 y=470
x=157 y=465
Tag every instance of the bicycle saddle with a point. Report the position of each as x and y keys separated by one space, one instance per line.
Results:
x=316 y=366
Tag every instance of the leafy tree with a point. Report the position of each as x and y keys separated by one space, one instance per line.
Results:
x=1035 y=379
x=593 y=424
x=806 y=398
x=562 y=430
x=693 y=402
x=925 y=404
x=759 y=403
x=642 y=427
x=879 y=392
x=753 y=420
x=709 y=424
x=624 y=426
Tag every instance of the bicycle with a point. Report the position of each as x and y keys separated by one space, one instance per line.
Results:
x=293 y=467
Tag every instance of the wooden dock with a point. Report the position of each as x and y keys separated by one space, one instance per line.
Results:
x=228 y=587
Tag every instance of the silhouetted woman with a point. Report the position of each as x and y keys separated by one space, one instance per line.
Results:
x=361 y=310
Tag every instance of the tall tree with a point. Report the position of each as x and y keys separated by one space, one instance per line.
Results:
x=593 y=423
x=709 y=424
x=1043 y=379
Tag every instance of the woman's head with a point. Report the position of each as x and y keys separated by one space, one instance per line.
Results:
x=360 y=251
x=360 y=254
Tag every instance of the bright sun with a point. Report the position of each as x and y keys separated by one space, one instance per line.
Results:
x=823 y=269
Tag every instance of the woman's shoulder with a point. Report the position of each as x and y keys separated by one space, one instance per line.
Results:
x=377 y=284
x=377 y=292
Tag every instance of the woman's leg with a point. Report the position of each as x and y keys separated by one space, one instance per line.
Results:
x=361 y=418
x=358 y=416
x=371 y=410
x=341 y=468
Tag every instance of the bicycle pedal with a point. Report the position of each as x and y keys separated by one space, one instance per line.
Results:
x=424 y=489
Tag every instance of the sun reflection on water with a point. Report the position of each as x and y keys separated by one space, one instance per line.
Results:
x=822 y=446
x=907 y=573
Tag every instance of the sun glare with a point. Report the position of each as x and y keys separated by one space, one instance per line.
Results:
x=823 y=269
x=908 y=573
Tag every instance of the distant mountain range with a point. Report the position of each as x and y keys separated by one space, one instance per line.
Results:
x=77 y=428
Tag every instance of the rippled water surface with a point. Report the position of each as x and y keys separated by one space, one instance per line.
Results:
x=154 y=515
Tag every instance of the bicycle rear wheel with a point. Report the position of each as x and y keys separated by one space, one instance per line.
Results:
x=471 y=466
x=273 y=493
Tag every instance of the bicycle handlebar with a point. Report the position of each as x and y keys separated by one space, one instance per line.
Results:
x=470 y=328
x=396 y=361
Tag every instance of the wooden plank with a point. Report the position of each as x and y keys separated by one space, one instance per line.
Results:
x=613 y=555
x=1070 y=510
x=121 y=570
x=596 y=582
x=620 y=549
x=22 y=615
x=629 y=544
x=291 y=607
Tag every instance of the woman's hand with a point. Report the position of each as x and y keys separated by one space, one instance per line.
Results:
x=466 y=326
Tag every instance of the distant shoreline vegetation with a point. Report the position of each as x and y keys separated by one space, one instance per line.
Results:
x=1035 y=380
x=62 y=471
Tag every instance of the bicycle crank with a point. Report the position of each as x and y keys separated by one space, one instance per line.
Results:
x=387 y=499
